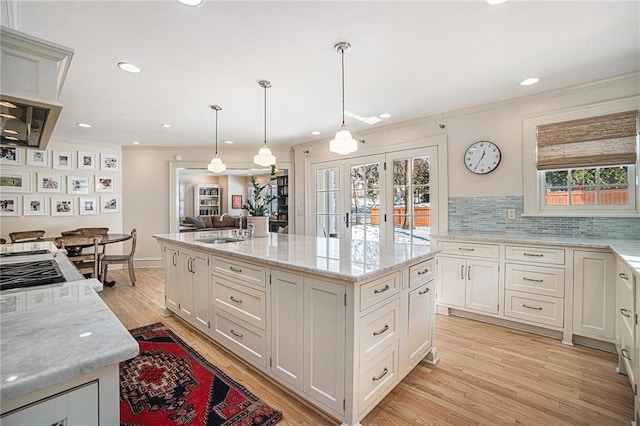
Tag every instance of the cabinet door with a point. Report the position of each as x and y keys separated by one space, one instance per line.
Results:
x=451 y=281
x=287 y=300
x=594 y=293
x=185 y=286
x=171 y=277
x=482 y=285
x=420 y=326
x=201 y=291
x=324 y=343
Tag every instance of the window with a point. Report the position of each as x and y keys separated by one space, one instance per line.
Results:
x=583 y=162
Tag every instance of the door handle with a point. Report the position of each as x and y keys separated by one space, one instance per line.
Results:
x=462 y=272
x=469 y=272
x=346 y=219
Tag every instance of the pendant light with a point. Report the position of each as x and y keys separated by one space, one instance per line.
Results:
x=343 y=143
x=264 y=157
x=216 y=165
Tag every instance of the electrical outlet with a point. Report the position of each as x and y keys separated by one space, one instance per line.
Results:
x=511 y=213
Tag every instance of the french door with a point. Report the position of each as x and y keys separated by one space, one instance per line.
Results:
x=386 y=198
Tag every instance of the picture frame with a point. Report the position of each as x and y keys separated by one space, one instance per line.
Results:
x=109 y=204
x=63 y=206
x=109 y=162
x=34 y=206
x=105 y=183
x=88 y=205
x=37 y=158
x=9 y=205
x=77 y=184
x=15 y=180
x=236 y=201
x=48 y=182
x=87 y=160
x=10 y=155
x=63 y=160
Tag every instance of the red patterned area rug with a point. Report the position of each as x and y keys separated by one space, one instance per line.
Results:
x=169 y=383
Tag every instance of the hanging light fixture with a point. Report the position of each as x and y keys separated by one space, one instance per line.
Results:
x=264 y=157
x=216 y=165
x=343 y=143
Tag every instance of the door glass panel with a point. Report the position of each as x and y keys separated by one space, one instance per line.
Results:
x=321 y=202
x=327 y=206
x=321 y=180
x=411 y=213
x=364 y=197
x=332 y=199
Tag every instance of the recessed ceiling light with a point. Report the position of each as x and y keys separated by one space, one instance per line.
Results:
x=228 y=142
x=529 y=81
x=83 y=125
x=11 y=132
x=135 y=143
x=125 y=66
x=166 y=125
x=385 y=116
x=495 y=2
x=315 y=133
x=190 y=2
x=7 y=104
x=9 y=116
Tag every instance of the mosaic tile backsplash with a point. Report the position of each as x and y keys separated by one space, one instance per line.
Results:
x=489 y=214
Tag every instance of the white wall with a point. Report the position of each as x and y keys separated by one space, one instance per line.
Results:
x=236 y=186
x=500 y=123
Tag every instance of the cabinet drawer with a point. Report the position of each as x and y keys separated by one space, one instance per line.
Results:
x=470 y=249
x=536 y=308
x=377 y=377
x=422 y=273
x=377 y=330
x=535 y=254
x=535 y=279
x=245 y=271
x=626 y=354
x=241 y=301
x=625 y=312
x=378 y=290
x=245 y=342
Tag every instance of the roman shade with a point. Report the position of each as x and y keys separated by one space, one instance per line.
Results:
x=595 y=141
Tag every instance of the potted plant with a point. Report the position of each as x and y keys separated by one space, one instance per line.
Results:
x=257 y=204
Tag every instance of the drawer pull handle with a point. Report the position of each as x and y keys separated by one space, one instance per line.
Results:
x=625 y=312
x=623 y=276
x=625 y=354
x=462 y=272
x=425 y=291
x=426 y=271
x=384 y=373
x=532 y=279
x=235 y=269
x=235 y=300
x=386 y=287
x=236 y=334
x=385 y=328
x=466 y=249
x=532 y=254
x=537 y=308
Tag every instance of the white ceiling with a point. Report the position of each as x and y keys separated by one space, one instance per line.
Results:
x=408 y=59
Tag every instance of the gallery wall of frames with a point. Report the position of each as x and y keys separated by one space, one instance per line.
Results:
x=58 y=182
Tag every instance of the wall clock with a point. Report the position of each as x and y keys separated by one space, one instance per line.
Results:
x=482 y=157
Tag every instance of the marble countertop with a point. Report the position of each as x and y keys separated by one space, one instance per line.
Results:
x=627 y=250
x=55 y=332
x=36 y=245
x=331 y=257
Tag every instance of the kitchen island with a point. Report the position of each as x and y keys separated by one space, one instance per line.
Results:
x=337 y=323
x=60 y=348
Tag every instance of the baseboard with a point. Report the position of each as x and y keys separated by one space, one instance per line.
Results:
x=146 y=263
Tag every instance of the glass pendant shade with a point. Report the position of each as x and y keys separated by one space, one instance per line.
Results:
x=216 y=165
x=343 y=143
x=264 y=157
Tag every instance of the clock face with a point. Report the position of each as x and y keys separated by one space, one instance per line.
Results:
x=482 y=157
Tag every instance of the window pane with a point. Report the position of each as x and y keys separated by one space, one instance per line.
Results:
x=614 y=175
x=321 y=202
x=373 y=175
x=332 y=202
x=556 y=178
x=333 y=180
x=614 y=196
x=400 y=172
x=332 y=226
x=321 y=226
x=400 y=197
x=556 y=197
x=421 y=195
x=583 y=177
x=321 y=180
x=421 y=171
x=584 y=195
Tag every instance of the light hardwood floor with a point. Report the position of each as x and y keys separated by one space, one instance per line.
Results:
x=487 y=375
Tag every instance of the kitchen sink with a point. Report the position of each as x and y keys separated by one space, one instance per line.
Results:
x=218 y=240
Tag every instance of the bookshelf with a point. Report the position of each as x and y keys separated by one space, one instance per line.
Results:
x=206 y=199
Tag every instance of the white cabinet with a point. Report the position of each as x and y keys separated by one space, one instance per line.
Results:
x=206 y=199
x=171 y=277
x=594 y=294
x=421 y=305
x=626 y=322
x=468 y=283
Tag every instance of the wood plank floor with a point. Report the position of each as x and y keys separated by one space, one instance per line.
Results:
x=487 y=375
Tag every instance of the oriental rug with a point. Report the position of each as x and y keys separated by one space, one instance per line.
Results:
x=169 y=383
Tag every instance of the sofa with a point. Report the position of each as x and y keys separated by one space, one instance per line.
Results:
x=211 y=223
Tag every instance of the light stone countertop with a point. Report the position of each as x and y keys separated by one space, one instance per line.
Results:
x=41 y=336
x=36 y=245
x=627 y=250
x=331 y=257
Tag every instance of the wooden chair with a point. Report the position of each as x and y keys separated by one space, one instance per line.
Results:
x=26 y=236
x=93 y=231
x=88 y=262
x=110 y=259
x=3 y=241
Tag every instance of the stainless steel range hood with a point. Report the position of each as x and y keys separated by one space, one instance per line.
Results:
x=33 y=72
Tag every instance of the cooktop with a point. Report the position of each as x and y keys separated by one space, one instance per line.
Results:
x=28 y=274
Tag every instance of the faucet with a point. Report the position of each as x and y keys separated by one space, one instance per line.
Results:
x=223 y=215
